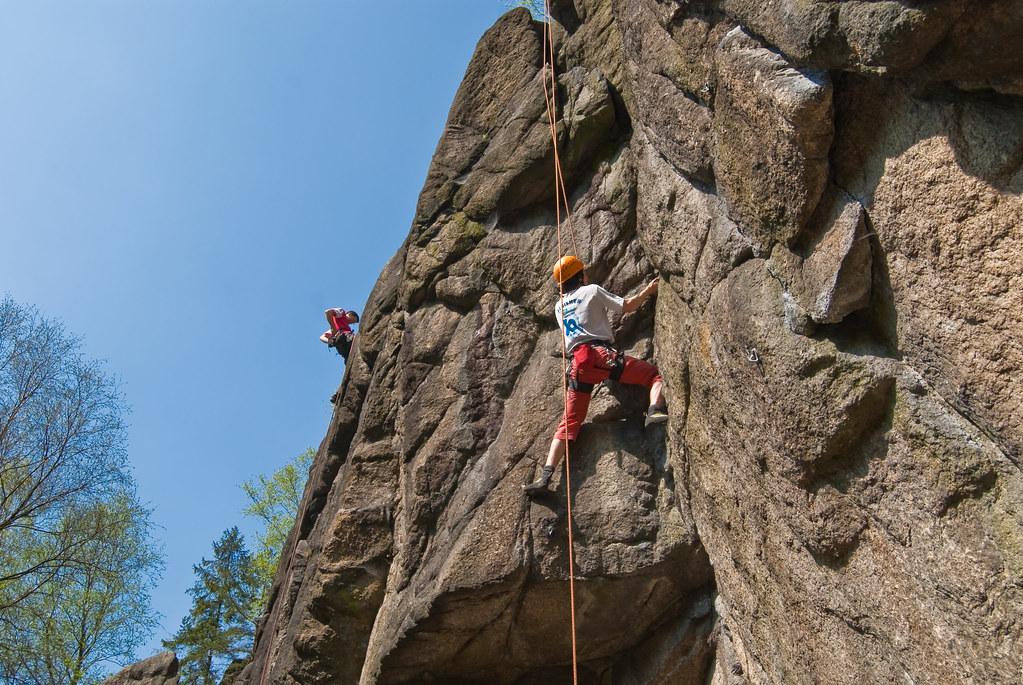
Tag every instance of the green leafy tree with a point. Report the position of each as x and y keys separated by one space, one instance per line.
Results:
x=90 y=616
x=220 y=626
x=76 y=564
x=275 y=500
x=62 y=449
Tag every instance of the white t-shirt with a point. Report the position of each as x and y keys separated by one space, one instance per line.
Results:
x=587 y=314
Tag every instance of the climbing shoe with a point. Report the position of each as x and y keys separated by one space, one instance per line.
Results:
x=656 y=415
x=539 y=486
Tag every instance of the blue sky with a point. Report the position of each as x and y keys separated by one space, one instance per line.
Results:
x=188 y=184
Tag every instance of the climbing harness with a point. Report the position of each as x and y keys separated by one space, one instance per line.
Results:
x=342 y=342
x=577 y=385
x=615 y=366
x=550 y=96
x=617 y=362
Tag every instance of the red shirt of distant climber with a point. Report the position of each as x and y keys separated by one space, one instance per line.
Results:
x=339 y=321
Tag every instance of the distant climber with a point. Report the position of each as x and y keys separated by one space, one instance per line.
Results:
x=584 y=315
x=340 y=335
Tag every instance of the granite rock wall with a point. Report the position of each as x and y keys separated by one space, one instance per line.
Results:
x=831 y=195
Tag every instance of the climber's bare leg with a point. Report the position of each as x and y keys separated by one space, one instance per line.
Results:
x=556 y=453
x=657 y=394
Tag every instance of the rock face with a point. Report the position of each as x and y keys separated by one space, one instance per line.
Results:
x=831 y=194
x=161 y=669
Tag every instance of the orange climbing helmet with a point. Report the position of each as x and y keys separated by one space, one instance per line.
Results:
x=567 y=267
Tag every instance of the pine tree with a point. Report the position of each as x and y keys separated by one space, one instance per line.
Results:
x=219 y=628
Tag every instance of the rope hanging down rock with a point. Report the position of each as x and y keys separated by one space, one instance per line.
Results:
x=560 y=193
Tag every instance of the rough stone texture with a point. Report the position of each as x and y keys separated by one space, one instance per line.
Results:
x=941 y=182
x=829 y=276
x=505 y=63
x=831 y=193
x=869 y=35
x=671 y=83
x=853 y=520
x=981 y=48
x=772 y=131
x=161 y=669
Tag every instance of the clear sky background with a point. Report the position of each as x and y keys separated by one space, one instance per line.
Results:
x=187 y=184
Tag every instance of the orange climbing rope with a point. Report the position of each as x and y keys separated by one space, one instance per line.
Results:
x=559 y=193
x=550 y=96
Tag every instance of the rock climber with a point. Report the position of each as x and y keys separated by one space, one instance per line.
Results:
x=584 y=314
x=340 y=334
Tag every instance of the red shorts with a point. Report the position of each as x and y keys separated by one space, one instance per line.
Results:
x=592 y=364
